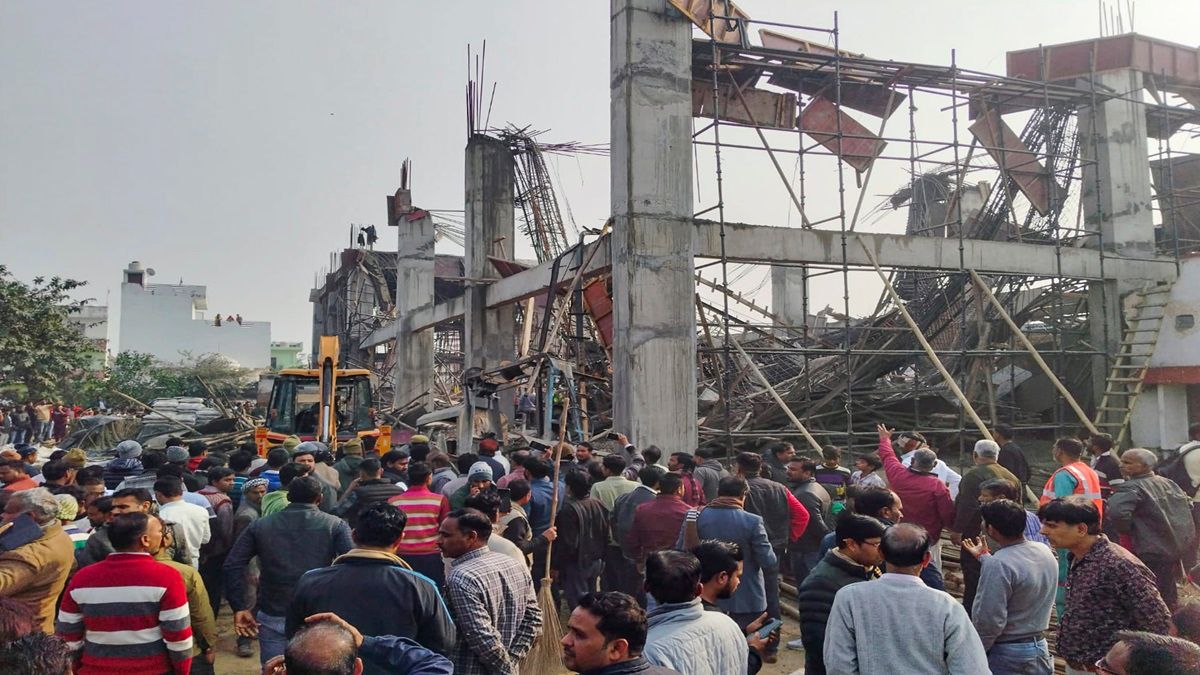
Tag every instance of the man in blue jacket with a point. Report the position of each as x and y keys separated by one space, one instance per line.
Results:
x=725 y=519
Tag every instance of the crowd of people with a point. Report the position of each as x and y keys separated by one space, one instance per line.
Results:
x=37 y=421
x=415 y=561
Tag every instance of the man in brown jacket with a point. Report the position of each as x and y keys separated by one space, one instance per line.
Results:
x=204 y=624
x=35 y=573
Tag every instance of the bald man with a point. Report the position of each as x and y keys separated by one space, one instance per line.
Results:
x=1153 y=518
x=328 y=645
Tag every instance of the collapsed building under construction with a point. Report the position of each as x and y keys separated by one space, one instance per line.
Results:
x=1046 y=218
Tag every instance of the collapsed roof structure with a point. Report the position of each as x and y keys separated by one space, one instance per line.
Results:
x=1040 y=230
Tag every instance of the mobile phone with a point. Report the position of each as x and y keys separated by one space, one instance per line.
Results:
x=771 y=626
x=538 y=445
x=613 y=436
x=505 y=500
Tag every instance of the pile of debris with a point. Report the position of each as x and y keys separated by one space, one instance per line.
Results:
x=216 y=424
x=170 y=412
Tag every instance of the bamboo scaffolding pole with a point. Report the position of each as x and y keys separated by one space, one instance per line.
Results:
x=1033 y=352
x=962 y=398
x=156 y=412
x=775 y=395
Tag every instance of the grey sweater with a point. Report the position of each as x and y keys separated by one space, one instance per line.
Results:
x=1016 y=591
x=873 y=629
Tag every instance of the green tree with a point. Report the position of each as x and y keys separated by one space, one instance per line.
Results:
x=41 y=348
x=143 y=377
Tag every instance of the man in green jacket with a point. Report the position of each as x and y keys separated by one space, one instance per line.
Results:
x=855 y=559
x=347 y=466
x=967 y=522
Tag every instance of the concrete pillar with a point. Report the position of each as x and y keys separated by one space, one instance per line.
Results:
x=654 y=351
x=413 y=372
x=1116 y=196
x=489 y=335
x=1116 y=189
x=789 y=291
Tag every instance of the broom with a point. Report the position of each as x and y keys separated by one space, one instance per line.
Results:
x=546 y=654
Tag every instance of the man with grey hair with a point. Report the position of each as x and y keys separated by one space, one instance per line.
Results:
x=966 y=510
x=35 y=573
x=1155 y=515
x=863 y=634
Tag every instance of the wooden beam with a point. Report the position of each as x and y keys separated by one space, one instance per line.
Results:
x=1037 y=358
x=912 y=324
x=778 y=400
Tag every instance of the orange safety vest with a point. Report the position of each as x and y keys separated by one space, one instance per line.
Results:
x=1087 y=484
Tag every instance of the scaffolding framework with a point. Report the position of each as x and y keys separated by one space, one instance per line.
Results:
x=843 y=374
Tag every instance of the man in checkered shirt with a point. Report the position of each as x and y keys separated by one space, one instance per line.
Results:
x=491 y=597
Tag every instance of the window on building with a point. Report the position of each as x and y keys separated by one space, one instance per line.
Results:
x=1185 y=321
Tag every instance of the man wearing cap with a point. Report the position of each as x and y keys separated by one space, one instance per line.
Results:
x=127 y=463
x=347 y=466
x=479 y=478
x=177 y=454
x=248 y=511
x=291 y=443
x=29 y=455
x=909 y=442
x=322 y=463
x=418 y=448
x=487 y=455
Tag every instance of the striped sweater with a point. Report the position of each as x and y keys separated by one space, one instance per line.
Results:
x=127 y=615
x=425 y=511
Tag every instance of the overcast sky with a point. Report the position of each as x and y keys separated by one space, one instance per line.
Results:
x=232 y=144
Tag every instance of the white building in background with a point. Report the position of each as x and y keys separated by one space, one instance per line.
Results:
x=1170 y=398
x=168 y=321
x=92 y=322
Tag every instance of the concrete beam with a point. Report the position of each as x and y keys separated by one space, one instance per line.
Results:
x=536 y=280
x=785 y=245
x=764 y=244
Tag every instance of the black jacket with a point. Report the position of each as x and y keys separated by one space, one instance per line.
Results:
x=816 y=500
x=582 y=532
x=379 y=595
x=366 y=493
x=1012 y=457
x=815 y=597
x=620 y=521
x=769 y=499
x=635 y=666
x=289 y=543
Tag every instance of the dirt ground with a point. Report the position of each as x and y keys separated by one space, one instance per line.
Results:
x=228 y=662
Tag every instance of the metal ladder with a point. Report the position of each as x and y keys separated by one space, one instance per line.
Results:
x=1127 y=376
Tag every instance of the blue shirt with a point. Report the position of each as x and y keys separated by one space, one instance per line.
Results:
x=541 y=496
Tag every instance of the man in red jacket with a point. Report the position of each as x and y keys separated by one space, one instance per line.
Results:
x=138 y=606
x=925 y=497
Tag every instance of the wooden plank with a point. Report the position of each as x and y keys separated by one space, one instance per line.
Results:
x=1016 y=160
x=766 y=108
x=728 y=31
x=1033 y=352
x=912 y=324
x=857 y=146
